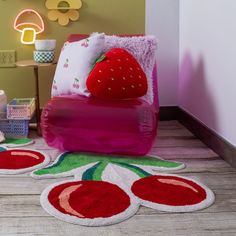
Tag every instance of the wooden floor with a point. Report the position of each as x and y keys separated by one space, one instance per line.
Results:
x=21 y=213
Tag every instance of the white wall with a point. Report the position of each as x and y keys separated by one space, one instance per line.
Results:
x=207 y=83
x=162 y=20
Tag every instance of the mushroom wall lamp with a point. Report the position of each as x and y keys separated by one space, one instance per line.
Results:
x=29 y=23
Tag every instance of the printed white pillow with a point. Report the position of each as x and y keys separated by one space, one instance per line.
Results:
x=74 y=65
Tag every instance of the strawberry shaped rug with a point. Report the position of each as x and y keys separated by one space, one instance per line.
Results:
x=110 y=189
x=117 y=75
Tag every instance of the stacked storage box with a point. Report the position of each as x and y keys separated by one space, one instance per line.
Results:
x=3 y=104
x=15 y=123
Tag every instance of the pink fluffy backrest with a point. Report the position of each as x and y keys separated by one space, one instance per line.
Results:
x=155 y=103
x=78 y=37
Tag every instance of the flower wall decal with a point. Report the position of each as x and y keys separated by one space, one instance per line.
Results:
x=63 y=11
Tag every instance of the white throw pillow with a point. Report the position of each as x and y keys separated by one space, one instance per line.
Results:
x=74 y=65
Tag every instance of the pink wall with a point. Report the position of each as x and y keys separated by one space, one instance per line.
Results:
x=207 y=81
x=165 y=26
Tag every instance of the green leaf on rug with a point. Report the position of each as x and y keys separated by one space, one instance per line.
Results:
x=17 y=141
x=67 y=162
x=2 y=149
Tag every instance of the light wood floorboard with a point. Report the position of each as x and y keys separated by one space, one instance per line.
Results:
x=21 y=213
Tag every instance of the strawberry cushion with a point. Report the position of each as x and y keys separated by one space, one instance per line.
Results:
x=117 y=75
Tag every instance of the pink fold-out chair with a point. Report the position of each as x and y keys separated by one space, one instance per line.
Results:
x=87 y=124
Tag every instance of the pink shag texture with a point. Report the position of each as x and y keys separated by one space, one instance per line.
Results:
x=143 y=48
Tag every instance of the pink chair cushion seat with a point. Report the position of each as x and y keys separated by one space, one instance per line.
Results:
x=126 y=127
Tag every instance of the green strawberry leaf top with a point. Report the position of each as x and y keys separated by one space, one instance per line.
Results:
x=100 y=59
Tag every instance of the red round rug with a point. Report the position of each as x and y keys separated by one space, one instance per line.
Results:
x=17 y=161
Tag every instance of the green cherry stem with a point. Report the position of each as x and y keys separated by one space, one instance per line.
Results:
x=95 y=172
x=140 y=172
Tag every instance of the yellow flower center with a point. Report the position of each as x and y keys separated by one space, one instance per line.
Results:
x=64 y=5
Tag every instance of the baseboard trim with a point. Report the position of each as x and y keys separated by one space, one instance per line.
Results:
x=219 y=145
x=169 y=113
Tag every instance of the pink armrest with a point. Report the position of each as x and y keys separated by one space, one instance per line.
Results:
x=125 y=127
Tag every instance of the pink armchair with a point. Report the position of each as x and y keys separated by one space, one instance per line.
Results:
x=82 y=124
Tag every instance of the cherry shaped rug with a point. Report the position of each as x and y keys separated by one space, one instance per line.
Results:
x=16 y=142
x=110 y=189
x=18 y=161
